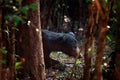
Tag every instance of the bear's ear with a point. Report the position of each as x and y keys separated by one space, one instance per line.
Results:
x=72 y=34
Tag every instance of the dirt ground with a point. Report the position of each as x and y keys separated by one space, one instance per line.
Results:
x=73 y=70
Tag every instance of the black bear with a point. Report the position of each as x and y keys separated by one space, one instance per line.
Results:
x=53 y=41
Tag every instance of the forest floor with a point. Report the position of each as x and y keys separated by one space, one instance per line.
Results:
x=73 y=70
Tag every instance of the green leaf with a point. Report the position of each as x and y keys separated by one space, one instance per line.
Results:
x=4 y=52
x=33 y=6
x=106 y=1
x=18 y=65
x=108 y=38
x=25 y=9
x=78 y=62
x=17 y=20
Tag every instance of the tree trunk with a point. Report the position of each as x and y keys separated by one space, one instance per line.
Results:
x=29 y=45
x=117 y=52
x=11 y=54
x=0 y=42
x=3 y=72
x=101 y=41
x=88 y=44
x=100 y=51
x=117 y=66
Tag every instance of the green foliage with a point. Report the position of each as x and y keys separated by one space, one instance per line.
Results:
x=16 y=13
x=4 y=52
x=108 y=38
x=78 y=62
x=18 y=65
x=106 y=1
x=24 y=10
x=33 y=6
x=15 y=19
